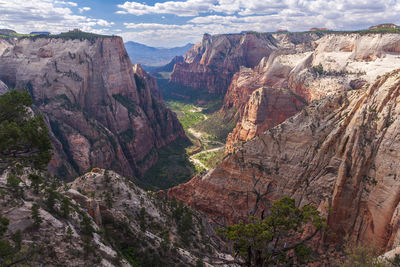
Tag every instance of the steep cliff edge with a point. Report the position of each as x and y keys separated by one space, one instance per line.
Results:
x=3 y=88
x=338 y=63
x=340 y=154
x=211 y=63
x=266 y=108
x=100 y=109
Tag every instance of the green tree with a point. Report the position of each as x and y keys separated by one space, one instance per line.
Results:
x=86 y=226
x=51 y=198
x=65 y=207
x=276 y=240
x=23 y=138
x=109 y=200
x=36 y=180
x=13 y=182
x=37 y=220
x=69 y=233
x=6 y=250
x=363 y=256
x=17 y=238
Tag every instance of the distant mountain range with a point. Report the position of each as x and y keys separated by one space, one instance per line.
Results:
x=153 y=56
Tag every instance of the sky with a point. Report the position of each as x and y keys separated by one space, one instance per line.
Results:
x=175 y=23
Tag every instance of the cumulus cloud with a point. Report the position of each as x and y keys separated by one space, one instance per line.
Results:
x=46 y=15
x=229 y=16
x=341 y=10
x=85 y=8
x=186 y=8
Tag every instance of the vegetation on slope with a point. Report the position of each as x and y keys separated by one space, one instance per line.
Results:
x=172 y=168
x=274 y=240
x=176 y=162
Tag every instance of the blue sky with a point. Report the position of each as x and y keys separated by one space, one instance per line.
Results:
x=177 y=22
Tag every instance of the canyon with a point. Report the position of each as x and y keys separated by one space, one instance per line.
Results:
x=317 y=119
x=100 y=109
x=291 y=70
x=339 y=154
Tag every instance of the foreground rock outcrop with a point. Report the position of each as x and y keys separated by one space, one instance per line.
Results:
x=103 y=219
x=100 y=109
x=340 y=154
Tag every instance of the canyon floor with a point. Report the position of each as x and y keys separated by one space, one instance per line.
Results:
x=198 y=114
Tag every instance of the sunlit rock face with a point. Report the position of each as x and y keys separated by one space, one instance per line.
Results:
x=340 y=154
x=337 y=63
x=101 y=110
x=211 y=63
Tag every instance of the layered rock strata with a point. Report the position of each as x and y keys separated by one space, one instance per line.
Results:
x=100 y=109
x=340 y=154
x=211 y=63
x=338 y=63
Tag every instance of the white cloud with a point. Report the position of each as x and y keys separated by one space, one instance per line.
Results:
x=155 y=26
x=333 y=11
x=82 y=9
x=45 y=15
x=66 y=3
x=184 y=9
x=230 y=16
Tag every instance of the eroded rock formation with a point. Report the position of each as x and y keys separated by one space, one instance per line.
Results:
x=338 y=63
x=340 y=154
x=100 y=109
x=98 y=220
x=211 y=63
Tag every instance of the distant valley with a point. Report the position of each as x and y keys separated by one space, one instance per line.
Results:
x=153 y=56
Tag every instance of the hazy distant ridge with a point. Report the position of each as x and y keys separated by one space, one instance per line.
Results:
x=153 y=56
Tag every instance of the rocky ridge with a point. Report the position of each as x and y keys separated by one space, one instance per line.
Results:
x=211 y=63
x=339 y=153
x=129 y=226
x=338 y=63
x=101 y=111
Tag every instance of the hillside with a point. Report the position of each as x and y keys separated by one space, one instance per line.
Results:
x=100 y=219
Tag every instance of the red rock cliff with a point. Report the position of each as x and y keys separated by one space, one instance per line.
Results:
x=340 y=154
x=211 y=63
x=101 y=111
x=336 y=63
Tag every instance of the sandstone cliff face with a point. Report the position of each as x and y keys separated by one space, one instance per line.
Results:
x=338 y=63
x=340 y=154
x=101 y=111
x=211 y=63
x=266 y=108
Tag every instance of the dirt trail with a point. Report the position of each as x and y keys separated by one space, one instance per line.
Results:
x=199 y=136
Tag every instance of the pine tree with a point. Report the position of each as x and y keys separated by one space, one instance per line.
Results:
x=23 y=138
x=69 y=233
x=37 y=220
x=51 y=198
x=17 y=238
x=109 y=200
x=36 y=180
x=13 y=182
x=277 y=239
x=65 y=207
x=86 y=226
